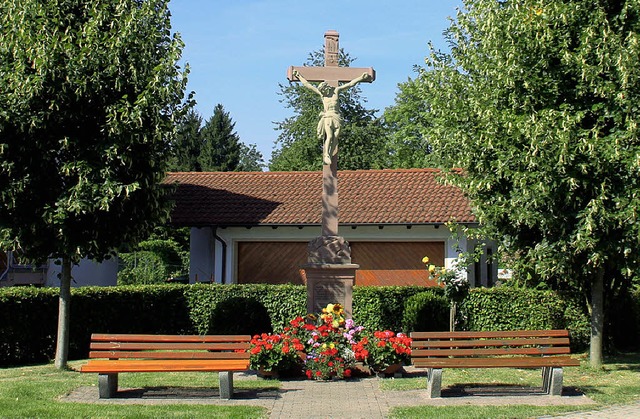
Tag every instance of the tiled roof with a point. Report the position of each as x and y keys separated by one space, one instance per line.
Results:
x=401 y=196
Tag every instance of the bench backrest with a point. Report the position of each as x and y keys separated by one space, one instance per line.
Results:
x=117 y=346
x=485 y=344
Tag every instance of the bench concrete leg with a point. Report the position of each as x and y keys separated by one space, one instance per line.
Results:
x=434 y=382
x=555 y=382
x=546 y=379
x=107 y=385
x=226 y=384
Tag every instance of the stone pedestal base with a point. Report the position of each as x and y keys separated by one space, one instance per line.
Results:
x=329 y=284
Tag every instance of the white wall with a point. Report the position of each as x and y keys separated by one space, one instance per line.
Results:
x=203 y=244
x=86 y=273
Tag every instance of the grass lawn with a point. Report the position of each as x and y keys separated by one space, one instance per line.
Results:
x=617 y=383
x=33 y=391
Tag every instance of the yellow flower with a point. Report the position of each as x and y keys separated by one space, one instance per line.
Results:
x=538 y=12
x=443 y=271
x=425 y=260
x=337 y=308
x=329 y=308
x=432 y=268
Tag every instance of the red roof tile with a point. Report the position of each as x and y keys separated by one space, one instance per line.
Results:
x=401 y=196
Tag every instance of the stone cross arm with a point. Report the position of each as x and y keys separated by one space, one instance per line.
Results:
x=339 y=74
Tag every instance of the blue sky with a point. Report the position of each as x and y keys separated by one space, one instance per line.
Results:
x=239 y=51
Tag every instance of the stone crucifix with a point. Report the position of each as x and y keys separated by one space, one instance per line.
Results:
x=331 y=76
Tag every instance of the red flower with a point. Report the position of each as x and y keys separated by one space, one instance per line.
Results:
x=347 y=373
x=309 y=374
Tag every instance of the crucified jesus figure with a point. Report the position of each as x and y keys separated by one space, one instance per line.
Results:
x=330 y=120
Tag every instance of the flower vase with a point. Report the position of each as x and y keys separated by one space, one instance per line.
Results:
x=262 y=373
x=393 y=370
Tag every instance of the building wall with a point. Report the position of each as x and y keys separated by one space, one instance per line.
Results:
x=210 y=261
x=86 y=273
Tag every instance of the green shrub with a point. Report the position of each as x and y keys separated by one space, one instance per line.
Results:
x=239 y=316
x=28 y=330
x=426 y=312
x=506 y=308
x=382 y=308
x=141 y=267
x=281 y=302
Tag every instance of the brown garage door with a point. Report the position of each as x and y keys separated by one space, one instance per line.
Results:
x=384 y=263
x=381 y=263
x=271 y=262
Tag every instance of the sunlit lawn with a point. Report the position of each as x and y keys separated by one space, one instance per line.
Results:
x=35 y=391
x=617 y=383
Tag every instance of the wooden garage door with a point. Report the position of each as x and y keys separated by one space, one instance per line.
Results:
x=381 y=263
x=271 y=262
x=384 y=263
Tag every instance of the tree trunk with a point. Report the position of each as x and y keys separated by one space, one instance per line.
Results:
x=597 y=319
x=64 y=311
x=452 y=316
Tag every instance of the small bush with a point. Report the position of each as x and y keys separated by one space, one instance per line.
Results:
x=240 y=316
x=426 y=312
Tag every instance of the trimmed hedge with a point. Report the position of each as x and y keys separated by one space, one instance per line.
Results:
x=28 y=331
x=505 y=308
x=426 y=311
x=382 y=308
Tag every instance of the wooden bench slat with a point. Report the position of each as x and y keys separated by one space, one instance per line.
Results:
x=152 y=365
x=516 y=362
x=142 y=346
x=486 y=352
x=489 y=342
x=490 y=334
x=104 y=337
x=168 y=355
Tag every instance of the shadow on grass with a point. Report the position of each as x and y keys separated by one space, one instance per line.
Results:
x=493 y=390
x=192 y=393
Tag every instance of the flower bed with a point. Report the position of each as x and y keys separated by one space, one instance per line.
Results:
x=328 y=346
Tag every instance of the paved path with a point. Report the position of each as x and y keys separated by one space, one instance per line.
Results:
x=356 y=398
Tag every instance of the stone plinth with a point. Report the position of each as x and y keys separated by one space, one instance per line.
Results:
x=330 y=283
x=334 y=250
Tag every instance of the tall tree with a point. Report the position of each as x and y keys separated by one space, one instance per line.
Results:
x=537 y=102
x=363 y=142
x=89 y=93
x=188 y=143
x=220 y=144
x=406 y=122
x=251 y=159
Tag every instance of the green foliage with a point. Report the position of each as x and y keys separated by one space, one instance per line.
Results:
x=163 y=256
x=363 y=142
x=220 y=144
x=536 y=103
x=214 y=147
x=188 y=143
x=239 y=316
x=381 y=308
x=282 y=302
x=507 y=308
x=406 y=121
x=90 y=91
x=251 y=159
x=29 y=333
x=141 y=267
x=426 y=312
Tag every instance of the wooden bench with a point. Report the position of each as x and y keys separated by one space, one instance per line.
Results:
x=115 y=353
x=546 y=349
